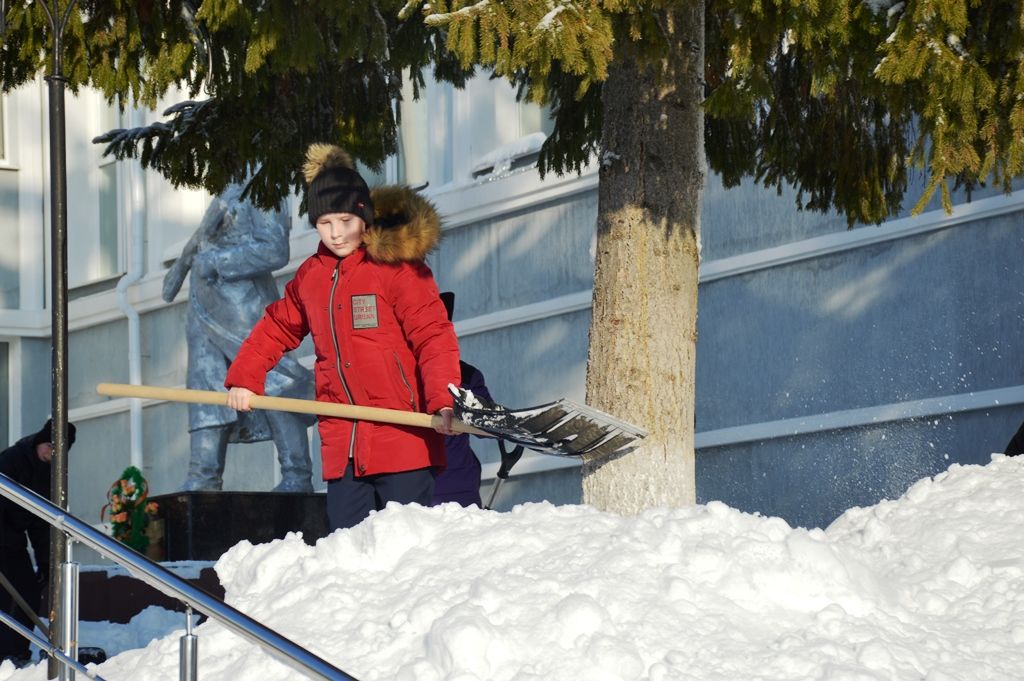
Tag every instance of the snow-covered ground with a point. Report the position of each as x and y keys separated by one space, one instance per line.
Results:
x=926 y=588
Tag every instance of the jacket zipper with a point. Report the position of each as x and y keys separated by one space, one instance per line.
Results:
x=337 y=356
x=401 y=372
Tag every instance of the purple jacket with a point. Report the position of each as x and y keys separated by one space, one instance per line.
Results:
x=460 y=481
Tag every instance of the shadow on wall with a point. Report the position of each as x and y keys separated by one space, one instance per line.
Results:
x=932 y=315
x=524 y=258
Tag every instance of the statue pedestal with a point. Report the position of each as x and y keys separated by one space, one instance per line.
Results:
x=203 y=525
x=107 y=594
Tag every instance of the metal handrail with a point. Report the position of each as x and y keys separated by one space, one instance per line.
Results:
x=44 y=644
x=274 y=644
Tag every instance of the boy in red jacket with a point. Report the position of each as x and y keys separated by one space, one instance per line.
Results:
x=380 y=332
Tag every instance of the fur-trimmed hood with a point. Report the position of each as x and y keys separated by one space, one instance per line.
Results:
x=406 y=226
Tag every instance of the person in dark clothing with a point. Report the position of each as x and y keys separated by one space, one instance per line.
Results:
x=27 y=462
x=1016 y=445
x=460 y=480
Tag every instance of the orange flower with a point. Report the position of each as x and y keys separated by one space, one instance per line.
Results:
x=151 y=507
x=119 y=518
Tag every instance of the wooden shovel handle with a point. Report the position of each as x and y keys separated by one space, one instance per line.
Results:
x=345 y=411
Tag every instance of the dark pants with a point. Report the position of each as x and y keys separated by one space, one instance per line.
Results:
x=17 y=568
x=350 y=499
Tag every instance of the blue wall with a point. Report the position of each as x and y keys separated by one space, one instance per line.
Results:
x=927 y=316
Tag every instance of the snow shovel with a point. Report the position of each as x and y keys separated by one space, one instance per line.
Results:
x=560 y=428
x=508 y=459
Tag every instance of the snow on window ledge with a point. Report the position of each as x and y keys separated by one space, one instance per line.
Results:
x=503 y=180
x=517 y=154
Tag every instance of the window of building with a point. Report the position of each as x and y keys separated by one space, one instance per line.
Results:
x=414 y=138
x=108 y=194
x=506 y=132
x=10 y=237
x=5 y=395
x=94 y=243
x=484 y=127
x=10 y=264
x=108 y=199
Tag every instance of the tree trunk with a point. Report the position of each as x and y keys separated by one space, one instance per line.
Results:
x=644 y=329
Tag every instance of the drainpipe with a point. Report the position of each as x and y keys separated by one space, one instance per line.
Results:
x=134 y=205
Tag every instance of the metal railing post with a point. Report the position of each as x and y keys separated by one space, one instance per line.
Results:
x=68 y=615
x=189 y=663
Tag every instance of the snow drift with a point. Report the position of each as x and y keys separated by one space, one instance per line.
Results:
x=930 y=586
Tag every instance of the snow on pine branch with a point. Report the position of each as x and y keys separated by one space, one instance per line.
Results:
x=468 y=11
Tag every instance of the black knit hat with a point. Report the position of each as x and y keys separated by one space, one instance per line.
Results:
x=46 y=434
x=338 y=190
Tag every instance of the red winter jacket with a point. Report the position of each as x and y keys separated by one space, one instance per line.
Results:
x=382 y=339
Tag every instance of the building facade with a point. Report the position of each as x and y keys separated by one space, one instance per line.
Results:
x=835 y=366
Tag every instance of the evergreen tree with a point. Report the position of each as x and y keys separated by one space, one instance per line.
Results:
x=838 y=98
x=264 y=79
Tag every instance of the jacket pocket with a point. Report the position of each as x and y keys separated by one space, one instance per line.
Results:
x=404 y=384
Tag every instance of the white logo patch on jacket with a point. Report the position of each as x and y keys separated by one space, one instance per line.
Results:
x=364 y=311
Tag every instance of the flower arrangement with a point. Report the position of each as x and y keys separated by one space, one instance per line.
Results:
x=130 y=513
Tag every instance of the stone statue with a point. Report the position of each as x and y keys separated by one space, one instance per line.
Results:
x=232 y=256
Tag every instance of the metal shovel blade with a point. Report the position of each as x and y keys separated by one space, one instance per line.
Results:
x=562 y=428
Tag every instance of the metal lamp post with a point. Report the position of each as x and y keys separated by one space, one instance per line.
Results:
x=59 y=543
x=58 y=16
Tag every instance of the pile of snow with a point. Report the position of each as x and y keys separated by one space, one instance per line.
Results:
x=929 y=587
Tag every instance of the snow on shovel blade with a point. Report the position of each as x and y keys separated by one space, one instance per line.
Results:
x=563 y=428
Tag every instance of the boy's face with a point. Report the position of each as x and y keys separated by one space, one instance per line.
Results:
x=342 y=233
